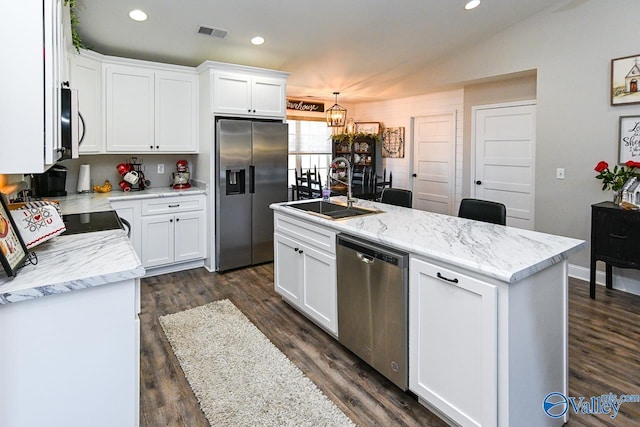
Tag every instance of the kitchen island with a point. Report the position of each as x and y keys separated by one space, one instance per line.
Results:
x=488 y=305
x=70 y=334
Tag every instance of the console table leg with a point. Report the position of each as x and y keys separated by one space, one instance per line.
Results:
x=609 y=272
x=592 y=280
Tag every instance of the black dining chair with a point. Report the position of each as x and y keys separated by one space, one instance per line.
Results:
x=483 y=210
x=397 y=196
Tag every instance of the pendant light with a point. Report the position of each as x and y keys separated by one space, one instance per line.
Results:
x=336 y=115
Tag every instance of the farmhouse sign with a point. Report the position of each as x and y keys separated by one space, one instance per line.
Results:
x=314 y=107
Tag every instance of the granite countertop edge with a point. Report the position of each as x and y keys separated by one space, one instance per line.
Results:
x=507 y=254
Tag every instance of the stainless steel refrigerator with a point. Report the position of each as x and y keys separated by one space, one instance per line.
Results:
x=251 y=170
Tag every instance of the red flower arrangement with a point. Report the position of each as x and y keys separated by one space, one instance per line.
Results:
x=615 y=179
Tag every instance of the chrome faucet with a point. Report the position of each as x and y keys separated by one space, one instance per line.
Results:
x=334 y=163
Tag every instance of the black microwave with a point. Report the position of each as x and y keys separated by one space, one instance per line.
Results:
x=71 y=122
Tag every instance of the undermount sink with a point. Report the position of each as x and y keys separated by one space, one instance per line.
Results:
x=331 y=210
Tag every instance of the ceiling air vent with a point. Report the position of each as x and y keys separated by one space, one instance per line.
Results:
x=206 y=30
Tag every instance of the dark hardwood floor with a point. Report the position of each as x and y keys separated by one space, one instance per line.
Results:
x=603 y=351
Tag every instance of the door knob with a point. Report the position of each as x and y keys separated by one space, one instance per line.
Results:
x=478 y=182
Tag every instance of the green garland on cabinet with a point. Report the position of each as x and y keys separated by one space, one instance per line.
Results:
x=75 y=37
x=351 y=137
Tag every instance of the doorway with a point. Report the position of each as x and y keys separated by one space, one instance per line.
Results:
x=503 y=165
x=434 y=158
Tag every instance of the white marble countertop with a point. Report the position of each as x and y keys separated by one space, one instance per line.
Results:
x=77 y=261
x=95 y=202
x=504 y=253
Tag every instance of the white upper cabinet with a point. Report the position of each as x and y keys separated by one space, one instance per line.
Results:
x=243 y=94
x=150 y=109
x=176 y=111
x=31 y=86
x=86 y=77
x=246 y=91
x=129 y=108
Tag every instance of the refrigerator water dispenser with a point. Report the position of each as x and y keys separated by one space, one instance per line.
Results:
x=235 y=181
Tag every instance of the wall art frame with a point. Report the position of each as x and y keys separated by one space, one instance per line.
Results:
x=13 y=251
x=393 y=142
x=625 y=80
x=629 y=139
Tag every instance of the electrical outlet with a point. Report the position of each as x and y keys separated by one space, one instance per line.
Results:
x=160 y=168
x=560 y=173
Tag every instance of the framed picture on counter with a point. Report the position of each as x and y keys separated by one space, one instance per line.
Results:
x=629 y=138
x=13 y=251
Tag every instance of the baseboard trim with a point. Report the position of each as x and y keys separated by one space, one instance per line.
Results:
x=623 y=279
x=172 y=268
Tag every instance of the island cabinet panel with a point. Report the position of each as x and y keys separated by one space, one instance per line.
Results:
x=72 y=359
x=453 y=343
x=305 y=269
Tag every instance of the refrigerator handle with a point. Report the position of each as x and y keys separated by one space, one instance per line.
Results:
x=252 y=179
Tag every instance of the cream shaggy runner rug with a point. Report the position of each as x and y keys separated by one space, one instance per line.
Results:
x=239 y=377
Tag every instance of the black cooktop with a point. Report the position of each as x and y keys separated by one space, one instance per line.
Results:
x=93 y=221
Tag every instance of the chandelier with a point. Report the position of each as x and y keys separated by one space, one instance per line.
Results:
x=336 y=115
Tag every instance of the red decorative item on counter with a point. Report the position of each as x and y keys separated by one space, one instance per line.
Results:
x=181 y=177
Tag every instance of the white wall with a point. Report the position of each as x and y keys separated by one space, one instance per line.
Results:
x=399 y=112
x=571 y=51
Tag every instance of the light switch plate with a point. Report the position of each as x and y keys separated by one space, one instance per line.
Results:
x=160 y=168
x=560 y=173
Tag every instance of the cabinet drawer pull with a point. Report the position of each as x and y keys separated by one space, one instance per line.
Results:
x=175 y=206
x=617 y=236
x=440 y=276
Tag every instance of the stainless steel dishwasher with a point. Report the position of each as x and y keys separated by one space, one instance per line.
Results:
x=373 y=305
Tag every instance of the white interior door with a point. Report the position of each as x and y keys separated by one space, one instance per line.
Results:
x=434 y=162
x=503 y=139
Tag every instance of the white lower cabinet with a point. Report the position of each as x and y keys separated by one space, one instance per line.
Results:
x=166 y=231
x=172 y=238
x=173 y=230
x=305 y=269
x=453 y=335
x=72 y=359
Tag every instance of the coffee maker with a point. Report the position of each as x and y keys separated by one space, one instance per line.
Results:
x=50 y=183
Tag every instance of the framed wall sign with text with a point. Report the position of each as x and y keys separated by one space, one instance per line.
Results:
x=629 y=138
x=371 y=128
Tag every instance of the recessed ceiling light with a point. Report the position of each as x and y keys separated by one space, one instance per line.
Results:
x=257 y=40
x=472 y=4
x=138 y=15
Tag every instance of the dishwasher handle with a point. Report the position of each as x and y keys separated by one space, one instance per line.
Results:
x=365 y=258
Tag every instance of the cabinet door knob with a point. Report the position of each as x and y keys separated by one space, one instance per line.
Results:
x=151 y=147
x=157 y=147
x=300 y=251
x=177 y=219
x=478 y=182
x=415 y=175
x=296 y=249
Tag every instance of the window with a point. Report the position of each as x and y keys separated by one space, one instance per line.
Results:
x=309 y=147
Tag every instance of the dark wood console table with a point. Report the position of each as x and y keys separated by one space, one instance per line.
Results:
x=615 y=239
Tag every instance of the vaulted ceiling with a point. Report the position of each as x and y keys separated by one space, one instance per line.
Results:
x=366 y=49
